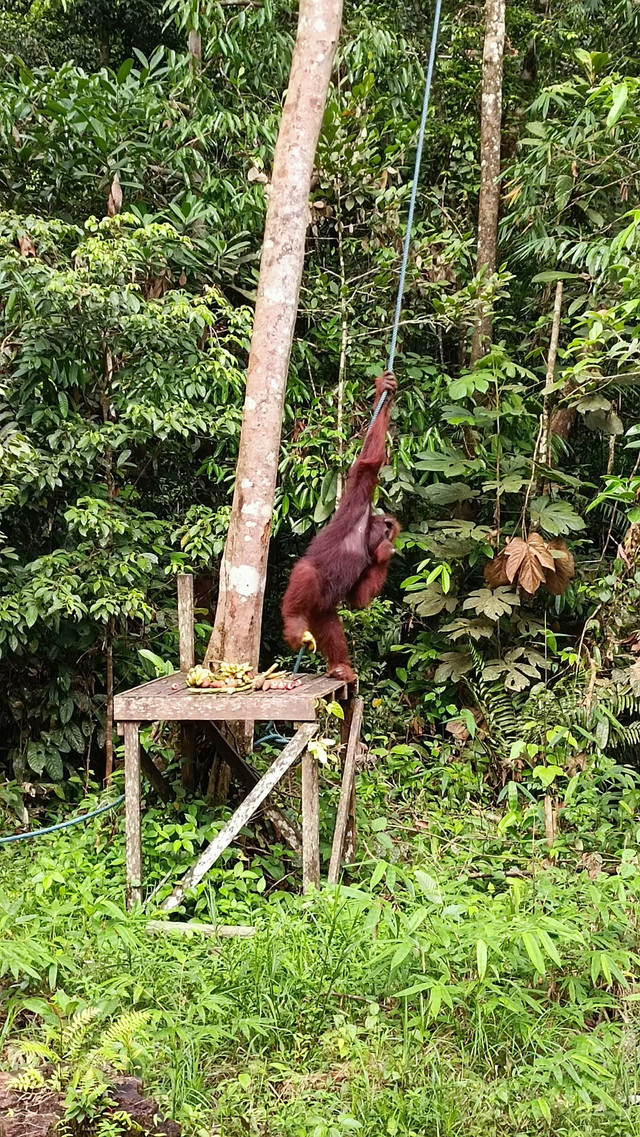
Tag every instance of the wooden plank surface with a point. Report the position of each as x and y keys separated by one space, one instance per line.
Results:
x=166 y=684
x=169 y=699
x=189 y=928
x=133 y=831
x=346 y=792
x=242 y=815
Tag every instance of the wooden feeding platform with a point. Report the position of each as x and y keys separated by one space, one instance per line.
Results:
x=169 y=699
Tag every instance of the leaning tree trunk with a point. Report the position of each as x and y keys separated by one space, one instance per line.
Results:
x=490 y=131
x=238 y=622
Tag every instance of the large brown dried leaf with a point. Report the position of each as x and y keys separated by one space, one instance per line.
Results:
x=527 y=562
x=557 y=578
x=495 y=571
x=458 y=729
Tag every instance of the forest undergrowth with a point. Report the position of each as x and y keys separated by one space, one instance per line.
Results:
x=464 y=979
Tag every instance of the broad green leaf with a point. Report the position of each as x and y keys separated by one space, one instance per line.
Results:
x=443 y=493
x=547 y=774
x=551 y=276
x=432 y=600
x=532 y=948
x=378 y=873
x=435 y=1000
x=124 y=70
x=66 y=710
x=75 y=736
x=482 y=953
x=31 y=615
x=493 y=602
x=544 y=1109
x=429 y=886
x=619 y=100
x=467 y=717
x=53 y=764
x=418 y=988
x=35 y=758
x=454 y=665
x=554 y=516
x=549 y=946
x=401 y=953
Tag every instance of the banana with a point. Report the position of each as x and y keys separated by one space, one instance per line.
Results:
x=232 y=678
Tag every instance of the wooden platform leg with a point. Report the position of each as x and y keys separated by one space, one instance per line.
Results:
x=348 y=850
x=186 y=640
x=310 y=822
x=133 y=831
x=345 y=819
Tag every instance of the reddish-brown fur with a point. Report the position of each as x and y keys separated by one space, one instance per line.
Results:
x=348 y=560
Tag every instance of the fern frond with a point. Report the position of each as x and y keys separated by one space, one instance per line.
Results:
x=28 y=1079
x=27 y=1049
x=125 y=1029
x=76 y=1032
x=496 y=703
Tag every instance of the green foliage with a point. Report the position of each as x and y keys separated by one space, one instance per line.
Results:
x=454 y=985
x=452 y=948
x=76 y=1054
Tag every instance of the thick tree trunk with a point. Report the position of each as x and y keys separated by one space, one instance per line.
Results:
x=490 y=132
x=238 y=622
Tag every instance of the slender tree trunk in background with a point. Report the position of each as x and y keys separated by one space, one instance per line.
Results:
x=104 y=49
x=544 y=453
x=344 y=340
x=542 y=448
x=490 y=131
x=194 y=45
x=114 y=205
x=105 y=406
x=238 y=622
x=108 y=707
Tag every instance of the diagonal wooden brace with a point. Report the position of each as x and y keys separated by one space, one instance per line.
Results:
x=242 y=814
x=249 y=777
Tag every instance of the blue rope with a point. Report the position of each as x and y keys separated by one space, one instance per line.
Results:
x=62 y=824
x=412 y=205
x=377 y=410
x=273 y=735
x=414 y=188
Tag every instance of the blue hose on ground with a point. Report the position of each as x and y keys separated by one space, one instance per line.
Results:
x=62 y=824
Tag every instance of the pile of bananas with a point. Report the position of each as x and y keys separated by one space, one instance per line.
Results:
x=225 y=677
x=233 y=678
